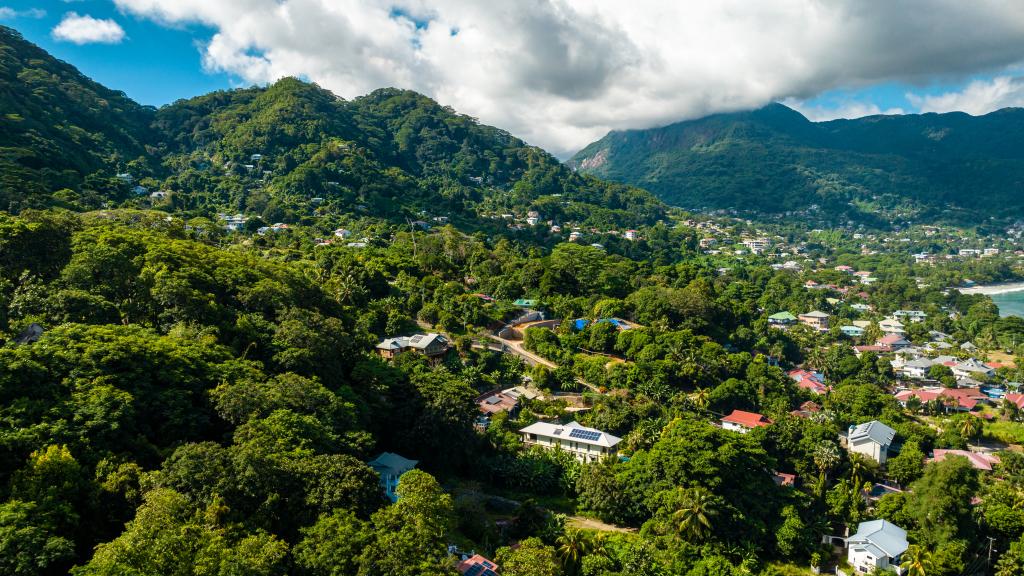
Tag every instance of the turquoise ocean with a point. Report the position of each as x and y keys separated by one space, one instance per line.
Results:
x=1010 y=304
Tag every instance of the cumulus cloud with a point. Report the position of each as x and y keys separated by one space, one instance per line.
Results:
x=8 y=13
x=84 y=29
x=978 y=97
x=562 y=73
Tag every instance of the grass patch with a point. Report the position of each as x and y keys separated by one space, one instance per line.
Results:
x=1005 y=431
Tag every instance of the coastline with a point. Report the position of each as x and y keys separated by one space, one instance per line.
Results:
x=994 y=289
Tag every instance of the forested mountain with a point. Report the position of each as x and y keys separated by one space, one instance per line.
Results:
x=774 y=159
x=57 y=127
x=280 y=152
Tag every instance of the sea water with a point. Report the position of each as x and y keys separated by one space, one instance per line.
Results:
x=1010 y=303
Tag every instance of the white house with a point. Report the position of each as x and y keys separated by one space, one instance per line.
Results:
x=390 y=467
x=973 y=368
x=917 y=368
x=878 y=544
x=586 y=444
x=892 y=326
x=871 y=439
x=743 y=422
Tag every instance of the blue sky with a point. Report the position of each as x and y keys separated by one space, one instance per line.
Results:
x=559 y=74
x=154 y=64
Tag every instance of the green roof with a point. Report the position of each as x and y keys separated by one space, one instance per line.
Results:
x=525 y=303
x=782 y=316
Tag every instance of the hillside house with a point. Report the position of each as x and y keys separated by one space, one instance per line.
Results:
x=586 y=444
x=390 y=467
x=431 y=345
x=877 y=545
x=743 y=422
x=781 y=319
x=892 y=326
x=871 y=439
x=816 y=319
x=477 y=565
x=979 y=460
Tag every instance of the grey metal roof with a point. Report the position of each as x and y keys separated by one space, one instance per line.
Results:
x=882 y=534
x=875 y=430
x=391 y=463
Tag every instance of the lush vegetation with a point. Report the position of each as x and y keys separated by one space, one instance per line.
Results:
x=180 y=399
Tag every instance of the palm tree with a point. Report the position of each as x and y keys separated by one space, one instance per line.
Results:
x=826 y=456
x=700 y=398
x=917 y=561
x=599 y=544
x=693 y=517
x=572 y=546
x=970 y=427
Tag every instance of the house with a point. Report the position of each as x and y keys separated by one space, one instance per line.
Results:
x=743 y=422
x=894 y=342
x=806 y=410
x=966 y=399
x=910 y=315
x=784 y=479
x=1016 y=399
x=844 y=268
x=477 y=565
x=877 y=545
x=586 y=444
x=390 y=467
x=807 y=380
x=430 y=345
x=860 y=307
x=917 y=368
x=756 y=245
x=972 y=368
x=618 y=323
x=525 y=303
x=978 y=460
x=781 y=319
x=852 y=331
x=494 y=402
x=815 y=319
x=892 y=326
x=871 y=439
x=630 y=235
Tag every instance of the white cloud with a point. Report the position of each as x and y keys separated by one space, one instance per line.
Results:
x=561 y=73
x=847 y=109
x=978 y=97
x=8 y=13
x=84 y=29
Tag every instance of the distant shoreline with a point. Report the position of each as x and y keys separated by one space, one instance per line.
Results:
x=994 y=289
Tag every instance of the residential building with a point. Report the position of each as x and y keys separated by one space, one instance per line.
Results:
x=972 y=368
x=979 y=460
x=910 y=315
x=813 y=381
x=877 y=545
x=431 y=345
x=916 y=369
x=807 y=409
x=815 y=319
x=871 y=439
x=781 y=319
x=586 y=444
x=477 y=565
x=852 y=331
x=630 y=235
x=390 y=467
x=894 y=342
x=756 y=245
x=743 y=422
x=494 y=402
x=964 y=399
x=892 y=326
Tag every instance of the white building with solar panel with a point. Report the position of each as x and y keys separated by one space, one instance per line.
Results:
x=587 y=444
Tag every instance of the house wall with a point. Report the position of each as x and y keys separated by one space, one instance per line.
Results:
x=582 y=451
x=870 y=449
x=735 y=427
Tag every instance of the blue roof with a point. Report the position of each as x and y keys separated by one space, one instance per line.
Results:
x=581 y=323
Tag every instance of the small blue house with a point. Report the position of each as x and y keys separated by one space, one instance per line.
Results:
x=852 y=331
x=390 y=467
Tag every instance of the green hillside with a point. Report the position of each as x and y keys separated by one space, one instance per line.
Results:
x=283 y=152
x=774 y=160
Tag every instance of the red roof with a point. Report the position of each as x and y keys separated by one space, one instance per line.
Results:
x=476 y=560
x=978 y=460
x=966 y=398
x=747 y=419
x=890 y=339
x=860 y=349
x=1016 y=398
x=783 y=479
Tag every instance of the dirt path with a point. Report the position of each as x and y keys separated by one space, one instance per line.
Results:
x=592 y=524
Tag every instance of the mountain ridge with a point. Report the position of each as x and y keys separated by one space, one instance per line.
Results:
x=774 y=159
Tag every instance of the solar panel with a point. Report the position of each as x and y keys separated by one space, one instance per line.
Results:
x=589 y=435
x=474 y=570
